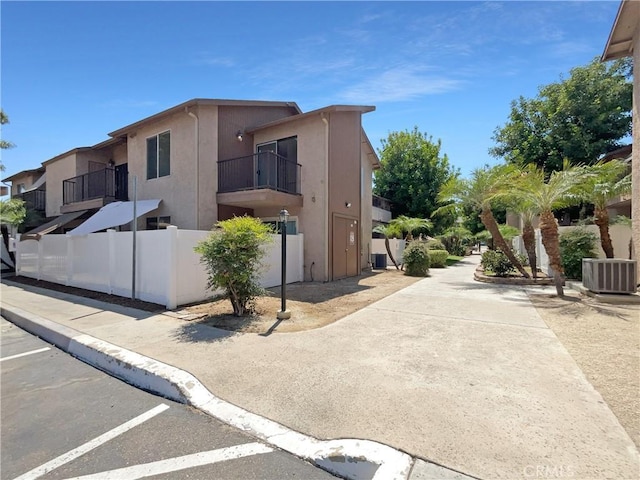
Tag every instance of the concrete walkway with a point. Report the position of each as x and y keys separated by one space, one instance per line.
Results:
x=462 y=374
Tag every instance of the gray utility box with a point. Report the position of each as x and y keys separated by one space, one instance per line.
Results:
x=609 y=275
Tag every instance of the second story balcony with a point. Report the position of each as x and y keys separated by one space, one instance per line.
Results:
x=34 y=200
x=261 y=179
x=94 y=189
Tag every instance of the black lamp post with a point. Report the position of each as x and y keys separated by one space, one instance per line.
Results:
x=283 y=314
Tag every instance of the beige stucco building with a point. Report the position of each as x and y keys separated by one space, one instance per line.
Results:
x=624 y=41
x=208 y=160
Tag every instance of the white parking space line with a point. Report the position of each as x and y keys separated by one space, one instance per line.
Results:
x=90 y=445
x=180 y=463
x=25 y=354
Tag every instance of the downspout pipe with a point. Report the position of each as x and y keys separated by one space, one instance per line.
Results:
x=197 y=152
x=325 y=202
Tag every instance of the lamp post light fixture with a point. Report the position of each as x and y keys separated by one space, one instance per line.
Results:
x=283 y=314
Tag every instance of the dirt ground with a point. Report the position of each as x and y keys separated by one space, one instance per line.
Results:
x=312 y=304
x=603 y=339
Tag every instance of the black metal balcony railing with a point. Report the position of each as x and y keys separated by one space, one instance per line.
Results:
x=34 y=200
x=107 y=183
x=260 y=170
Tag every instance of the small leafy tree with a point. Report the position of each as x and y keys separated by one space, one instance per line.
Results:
x=232 y=254
x=574 y=246
x=416 y=259
x=12 y=212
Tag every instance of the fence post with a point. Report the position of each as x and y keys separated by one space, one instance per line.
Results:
x=69 y=262
x=111 y=238
x=40 y=259
x=18 y=264
x=172 y=276
x=300 y=238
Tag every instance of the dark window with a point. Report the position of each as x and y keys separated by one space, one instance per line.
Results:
x=158 y=223
x=158 y=155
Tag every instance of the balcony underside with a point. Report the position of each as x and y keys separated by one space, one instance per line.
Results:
x=86 y=205
x=263 y=197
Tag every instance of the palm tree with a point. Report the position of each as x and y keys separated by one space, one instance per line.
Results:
x=410 y=225
x=527 y=213
x=486 y=186
x=603 y=182
x=560 y=190
x=389 y=231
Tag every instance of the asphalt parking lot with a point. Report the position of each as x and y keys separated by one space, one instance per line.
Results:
x=61 y=418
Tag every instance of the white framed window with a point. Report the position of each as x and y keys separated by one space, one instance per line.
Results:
x=159 y=155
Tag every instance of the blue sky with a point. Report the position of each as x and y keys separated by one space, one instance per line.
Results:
x=74 y=71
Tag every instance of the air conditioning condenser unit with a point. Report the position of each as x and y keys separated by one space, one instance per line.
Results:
x=609 y=275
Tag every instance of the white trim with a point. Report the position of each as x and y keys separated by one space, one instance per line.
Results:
x=180 y=463
x=25 y=354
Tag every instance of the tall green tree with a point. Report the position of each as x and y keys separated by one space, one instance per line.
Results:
x=579 y=118
x=485 y=187
x=412 y=170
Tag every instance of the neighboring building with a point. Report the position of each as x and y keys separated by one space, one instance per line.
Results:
x=381 y=212
x=30 y=186
x=624 y=41
x=208 y=160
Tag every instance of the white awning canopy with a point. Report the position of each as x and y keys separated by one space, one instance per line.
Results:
x=60 y=221
x=113 y=215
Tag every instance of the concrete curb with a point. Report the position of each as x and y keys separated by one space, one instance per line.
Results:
x=349 y=458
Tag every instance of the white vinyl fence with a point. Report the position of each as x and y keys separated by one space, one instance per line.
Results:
x=168 y=271
x=396 y=246
x=620 y=237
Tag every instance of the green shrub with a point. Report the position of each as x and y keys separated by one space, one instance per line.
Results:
x=496 y=262
x=438 y=258
x=231 y=254
x=456 y=240
x=575 y=245
x=435 y=244
x=416 y=259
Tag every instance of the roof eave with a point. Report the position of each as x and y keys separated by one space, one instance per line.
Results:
x=620 y=41
x=200 y=101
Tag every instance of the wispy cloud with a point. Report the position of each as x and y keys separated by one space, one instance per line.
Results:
x=208 y=59
x=398 y=84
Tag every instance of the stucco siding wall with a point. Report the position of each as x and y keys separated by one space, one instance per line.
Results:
x=26 y=179
x=345 y=171
x=177 y=190
x=312 y=217
x=119 y=154
x=635 y=160
x=58 y=171
x=366 y=213
x=208 y=176
x=83 y=159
